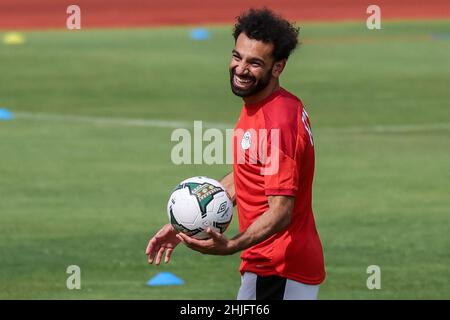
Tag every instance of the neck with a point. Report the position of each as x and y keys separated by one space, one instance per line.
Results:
x=267 y=91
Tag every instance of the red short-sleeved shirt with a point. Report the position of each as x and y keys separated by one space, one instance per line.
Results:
x=274 y=155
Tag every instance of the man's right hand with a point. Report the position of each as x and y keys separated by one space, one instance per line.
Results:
x=164 y=240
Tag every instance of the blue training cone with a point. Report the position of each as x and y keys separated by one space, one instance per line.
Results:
x=5 y=114
x=199 y=34
x=165 y=279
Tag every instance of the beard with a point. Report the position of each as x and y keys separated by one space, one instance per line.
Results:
x=254 y=87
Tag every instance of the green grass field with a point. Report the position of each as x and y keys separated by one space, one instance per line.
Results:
x=91 y=193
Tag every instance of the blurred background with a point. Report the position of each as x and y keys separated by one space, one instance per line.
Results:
x=86 y=118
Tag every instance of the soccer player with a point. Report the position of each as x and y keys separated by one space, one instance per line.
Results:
x=273 y=169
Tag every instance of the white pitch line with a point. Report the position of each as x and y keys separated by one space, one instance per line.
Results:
x=152 y=123
x=399 y=128
x=169 y=124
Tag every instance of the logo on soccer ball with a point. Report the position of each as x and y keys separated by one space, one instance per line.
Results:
x=246 y=141
x=204 y=193
x=222 y=208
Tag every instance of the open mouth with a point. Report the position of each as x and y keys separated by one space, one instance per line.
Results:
x=243 y=83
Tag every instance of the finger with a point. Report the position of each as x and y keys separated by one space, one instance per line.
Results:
x=149 y=245
x=213 y=234
x=183 y=237
x=188 y=241
x=159 y=255
x=196 y=243
x=153 y=252
x=153 y=243
x=168 y=254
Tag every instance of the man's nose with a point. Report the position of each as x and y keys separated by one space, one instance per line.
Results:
x=241 y=69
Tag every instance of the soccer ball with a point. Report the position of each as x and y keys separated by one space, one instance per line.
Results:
x=198 y=203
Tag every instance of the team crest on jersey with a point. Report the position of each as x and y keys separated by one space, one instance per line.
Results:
x=246 y=141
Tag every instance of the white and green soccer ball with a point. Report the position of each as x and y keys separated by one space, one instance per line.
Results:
x=198 y=203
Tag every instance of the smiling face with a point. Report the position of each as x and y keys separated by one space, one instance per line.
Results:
x=251 y=67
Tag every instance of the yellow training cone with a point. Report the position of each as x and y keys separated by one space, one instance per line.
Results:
x=13 y=38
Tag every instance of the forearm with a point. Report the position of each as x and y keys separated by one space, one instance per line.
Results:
x=228 y=183
x=269 y=223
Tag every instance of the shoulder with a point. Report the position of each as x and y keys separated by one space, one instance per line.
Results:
x=284 y=111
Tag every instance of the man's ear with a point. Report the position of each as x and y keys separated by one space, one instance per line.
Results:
x=278 y=68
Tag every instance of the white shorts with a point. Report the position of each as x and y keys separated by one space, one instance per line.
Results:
x=254 y=287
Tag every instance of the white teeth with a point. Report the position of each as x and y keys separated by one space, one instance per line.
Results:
x=242 y=81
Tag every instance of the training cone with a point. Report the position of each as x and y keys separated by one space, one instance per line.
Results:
x=165 y=279
x=13 y=38
x=199 y=34
x=5 y=114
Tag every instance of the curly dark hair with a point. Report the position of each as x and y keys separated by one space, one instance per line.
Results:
x=266 y=26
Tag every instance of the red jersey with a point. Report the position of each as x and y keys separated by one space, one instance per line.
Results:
x=274 y=155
